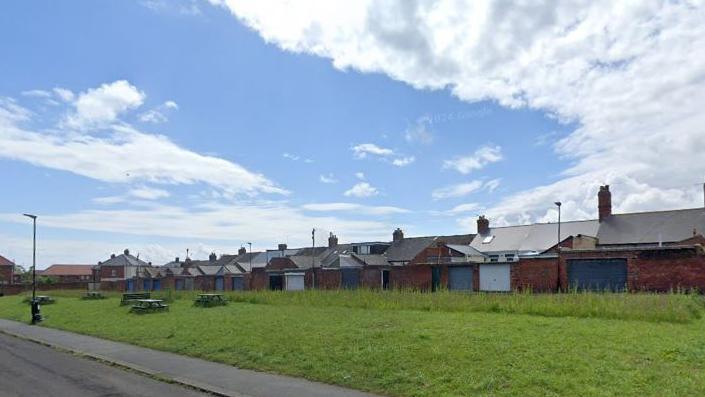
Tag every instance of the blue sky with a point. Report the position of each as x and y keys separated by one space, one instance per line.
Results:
x=238 y=132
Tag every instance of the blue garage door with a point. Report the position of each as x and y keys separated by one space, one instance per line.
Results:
x=145 y=285
x=598 y=274
x=460 y=278
x=130 y=285
x=350 y=278
x=219 y=283
x=238 y=284
x=156 y=284
x=179 y=284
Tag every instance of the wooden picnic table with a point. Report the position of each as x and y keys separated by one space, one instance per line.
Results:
x=208 y=300
x=93 y=295
x=42 y=299
x=149 y=306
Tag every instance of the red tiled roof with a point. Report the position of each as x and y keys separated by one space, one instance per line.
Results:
x=5 y=262
x=68 y=270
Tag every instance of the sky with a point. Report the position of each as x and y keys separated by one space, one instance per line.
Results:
x=162 y=126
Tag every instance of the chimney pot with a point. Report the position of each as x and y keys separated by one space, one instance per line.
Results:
x=242 y=251
x=212 y=257
x=177 y=260
x=483 y=225
x=398 y=235
x=332 y=241
x=604 y=203
x=282 y=247
x=112 y=256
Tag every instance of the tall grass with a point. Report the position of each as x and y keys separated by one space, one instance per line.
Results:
x=676 y=307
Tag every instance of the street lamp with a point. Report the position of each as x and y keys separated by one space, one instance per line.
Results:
x=558 y=204
x=34 y=305
x=250 y=244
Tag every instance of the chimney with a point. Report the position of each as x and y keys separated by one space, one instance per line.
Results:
x=112 y=256
x=242 y=251
x=332 y=241
x=398 y=235
x=604 y=202
x=177 y=259
x=126 y=251
x=483 y=225
x=282 y=247
x=212 y=257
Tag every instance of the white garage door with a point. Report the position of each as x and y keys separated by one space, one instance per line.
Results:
x=294 y=282
x=495 y=277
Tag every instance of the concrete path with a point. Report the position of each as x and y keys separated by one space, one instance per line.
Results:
x=218 y=379
x=29 y=369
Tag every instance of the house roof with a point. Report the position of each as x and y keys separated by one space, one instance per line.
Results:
x=465 y=249
x=124 y=259
x=372 y=260
x=536 y=237
x=304 y=261
x=6 y=262
x=68 y=270
x=651 y=227
x=408 y=248
x=210 y=270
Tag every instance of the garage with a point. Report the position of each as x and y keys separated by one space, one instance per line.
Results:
x=238 y=283
x=460 y=278
x=350 y=278
x=219 y=283
x=495 y=277
x=597 y=274
x=295 y=282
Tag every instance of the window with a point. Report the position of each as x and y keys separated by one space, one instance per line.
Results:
x=494 y=258
x=364 y=249
x=488 y=239
x=113 y=273
x=509 y=257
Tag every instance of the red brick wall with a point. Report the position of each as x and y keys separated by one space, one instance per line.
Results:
x=5 y=274
x=107 y=272
x=411 y=277
x=114 y=285
x=259 y=279
x=535 y=274
x=19 y=288
x=651 y=270
x=328 y=278
x=371 y=277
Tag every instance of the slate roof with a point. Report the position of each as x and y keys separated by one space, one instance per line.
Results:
x=124 y=260
x=68 y=270
x=210 y=270
x=465 y=249
x=408 y=248
x=304 y=261
x=372 y=260
x=651 y=227
x=6 y=262
x=537 y=237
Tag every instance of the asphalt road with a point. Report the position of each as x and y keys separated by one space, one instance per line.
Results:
x=30 y=369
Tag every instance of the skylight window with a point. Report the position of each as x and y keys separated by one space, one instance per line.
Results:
x=488 y=239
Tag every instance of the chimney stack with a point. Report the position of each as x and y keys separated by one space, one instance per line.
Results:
x=242 y=251
x=604 y=202
x=483 y=225
x=176 y=260
x=126 y=252
x=282 y=247
x=212 y=257
x=332 y=241
x=398 y=235
x=112 y=256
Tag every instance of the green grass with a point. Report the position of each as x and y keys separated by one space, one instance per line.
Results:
x=413 y=344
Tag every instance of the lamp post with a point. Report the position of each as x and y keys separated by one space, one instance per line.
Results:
x=34 y=305
x=250 y=244
x=313 y=258
x=558 y=248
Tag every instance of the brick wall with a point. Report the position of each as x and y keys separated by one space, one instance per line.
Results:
x=6 y=275
x=535 y=274
x=259 y=279
x=107 y=272
x=371 y=277
x=20 y=288
x=328 y=278
x=411 y=277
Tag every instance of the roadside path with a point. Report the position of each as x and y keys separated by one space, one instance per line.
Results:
x=215 y=378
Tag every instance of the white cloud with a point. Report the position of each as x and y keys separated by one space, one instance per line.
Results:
x=476 y=161
x=458 y=190
x=629 y=75
x=148 y=193
x=360 y=176
x=420 y=131
x=122 y=154
x=352 y=207
x=362 y=190
x=64 y=94
x=37 y=93
x=464 y=208
x=330 y=179
x=290 y=156
x=362 y=150
x=158 y=114
x=403 y=161
x=100 y=106
x=492 y=185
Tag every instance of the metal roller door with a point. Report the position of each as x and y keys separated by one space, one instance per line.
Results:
x=238 y=284
x=495 y=278
x=597 y=274
x=294 y=282
x=350 y=278
x=219 y=283
x=460 y=278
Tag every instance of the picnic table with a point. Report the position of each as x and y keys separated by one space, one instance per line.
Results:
x=131 y=297
x=208 y=300
x=93 y=295
x=42 y=299
x=149 y=306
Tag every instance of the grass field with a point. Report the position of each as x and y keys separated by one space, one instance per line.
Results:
x=415 y=344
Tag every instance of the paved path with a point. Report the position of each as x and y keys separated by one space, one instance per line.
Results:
x=215 y=378
x=30 y=369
